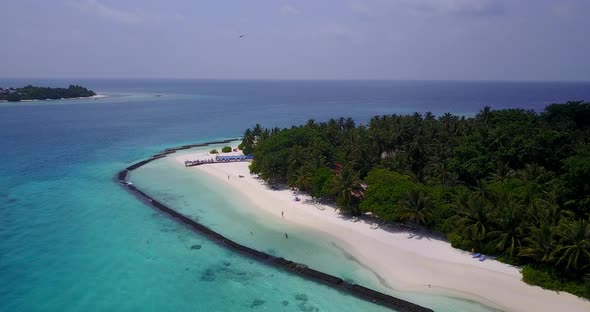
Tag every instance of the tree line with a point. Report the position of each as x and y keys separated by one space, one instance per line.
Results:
x=514 y=183
x=42 y=93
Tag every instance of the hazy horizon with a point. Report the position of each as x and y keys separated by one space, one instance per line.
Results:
x=390 y=40
x=292 y=79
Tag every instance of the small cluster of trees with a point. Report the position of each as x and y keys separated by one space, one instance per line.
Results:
x=42 y=93
x=509 y=182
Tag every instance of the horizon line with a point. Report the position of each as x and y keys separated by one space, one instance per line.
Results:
x=301 y=79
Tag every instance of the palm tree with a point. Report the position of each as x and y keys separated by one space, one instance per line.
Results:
x=540 y=244
x=484 y=115
x=534 y=173
x=248 y=142
x=417 y=119
x=346 y=185
x=448 y=122
x=311 y=124
x=429 y=116
x=349 y=124
x=547 y=208
x=257 y=130
x=439 y=167
x=332 y=131
x=476 y=215
x=482 y=190
x=303 y=181
x=265 y=134
x=575 y=245
x=363 y=161
x=296 y=158
x=510 y=231
x=417 y=151
x=497 y=140
x=503 y=173
x=353 y=142
x=248 y=136
x=417 y=208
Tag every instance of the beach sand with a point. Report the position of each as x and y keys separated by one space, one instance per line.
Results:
x=406 y=261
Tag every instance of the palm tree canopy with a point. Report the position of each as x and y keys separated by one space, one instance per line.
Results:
x=417 y=208
x=575 y=250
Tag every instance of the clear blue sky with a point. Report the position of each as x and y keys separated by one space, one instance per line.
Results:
x=297 y=39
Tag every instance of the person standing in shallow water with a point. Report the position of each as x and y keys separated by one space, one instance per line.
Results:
x=286 y=236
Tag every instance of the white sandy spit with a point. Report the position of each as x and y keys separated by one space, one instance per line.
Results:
x=97 y=96
x=406 y=261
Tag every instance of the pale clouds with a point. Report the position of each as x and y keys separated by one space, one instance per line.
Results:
x=567 y=10
x=376 y=8
x=298 y=39
x=465 y=7
x=106 y=12
x=339 y=32
x=290 y=10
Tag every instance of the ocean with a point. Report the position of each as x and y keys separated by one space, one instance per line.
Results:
x=71 y=239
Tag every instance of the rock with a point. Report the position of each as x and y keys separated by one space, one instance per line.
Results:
x=257 y=302
x=208 y=275
x=302 y=297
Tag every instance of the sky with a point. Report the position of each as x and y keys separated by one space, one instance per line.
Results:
x=296 y=39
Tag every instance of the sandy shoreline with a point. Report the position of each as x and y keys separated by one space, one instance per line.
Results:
x=405 y=261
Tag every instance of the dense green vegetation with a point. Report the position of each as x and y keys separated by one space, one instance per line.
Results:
x=213 y=151
x=512 y=183
x=226 y=149
x=42 y=93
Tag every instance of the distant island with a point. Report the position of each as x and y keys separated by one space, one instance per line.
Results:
x=43 y=93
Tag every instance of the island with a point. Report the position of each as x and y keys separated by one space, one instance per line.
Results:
x=511 y=185
x=477 y=208
x=44 y=93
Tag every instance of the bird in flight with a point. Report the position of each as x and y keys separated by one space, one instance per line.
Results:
x=242 y=36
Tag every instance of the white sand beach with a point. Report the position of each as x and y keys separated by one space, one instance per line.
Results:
x=95 y=97
x=406 y=261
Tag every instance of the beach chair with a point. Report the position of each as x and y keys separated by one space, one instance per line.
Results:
x=482 y=258
x=477 y=255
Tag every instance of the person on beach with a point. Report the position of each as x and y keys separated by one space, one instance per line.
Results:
x=283 y=214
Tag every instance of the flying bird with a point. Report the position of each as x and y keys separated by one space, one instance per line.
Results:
x=242 y=36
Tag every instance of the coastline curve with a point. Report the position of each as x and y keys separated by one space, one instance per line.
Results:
x=299 y=269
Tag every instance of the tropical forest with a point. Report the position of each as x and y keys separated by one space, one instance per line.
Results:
x=511 y=183
x=44 y=93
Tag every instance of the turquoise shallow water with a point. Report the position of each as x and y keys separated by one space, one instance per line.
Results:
x=133 y=259
x=71 y=239
x=209 y=202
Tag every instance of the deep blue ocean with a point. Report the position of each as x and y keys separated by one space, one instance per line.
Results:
x=71 y=239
